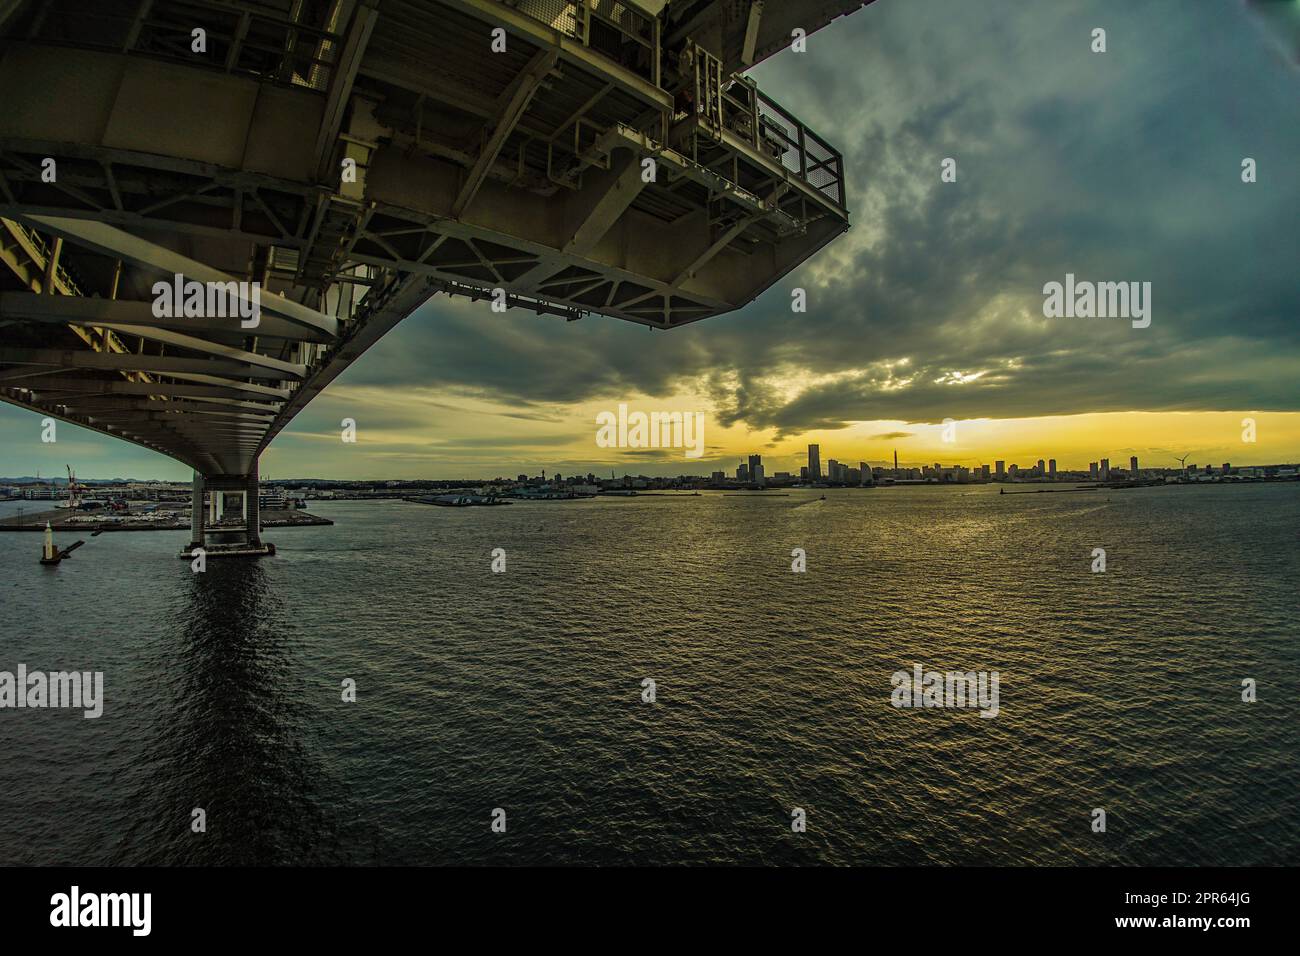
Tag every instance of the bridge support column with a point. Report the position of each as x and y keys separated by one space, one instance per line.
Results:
x=216 y=539
x=252 y=509
x=196 y=512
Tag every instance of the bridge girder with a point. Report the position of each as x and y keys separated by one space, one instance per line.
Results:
x=478 y=172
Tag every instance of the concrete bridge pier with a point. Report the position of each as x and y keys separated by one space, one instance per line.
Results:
x=210 y=528
x=197 y=514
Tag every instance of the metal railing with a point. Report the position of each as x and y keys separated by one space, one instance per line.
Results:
x=760 y=121
x=43 y=252
x=40 y=251
x=631 y=38
x=244 y=38
x=609 y=27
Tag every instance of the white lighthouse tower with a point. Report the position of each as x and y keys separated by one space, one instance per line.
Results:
x=48 y=554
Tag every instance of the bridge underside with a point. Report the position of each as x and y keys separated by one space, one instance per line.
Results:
x=353 y=158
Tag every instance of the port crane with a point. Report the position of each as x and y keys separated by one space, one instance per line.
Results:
x=74 y=489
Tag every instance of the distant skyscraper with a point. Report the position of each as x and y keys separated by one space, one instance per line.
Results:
x=742 y=472
x=1133 y=466
x=814 y=462
x=864 y=473
x=1041 y=468
x=1105 y=469
x=895 y=459
x=1051 y=467
x=1092 y=470
x=1001 y=468
x=756 y=468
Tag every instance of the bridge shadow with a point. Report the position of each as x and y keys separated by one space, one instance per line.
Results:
x=229 y=733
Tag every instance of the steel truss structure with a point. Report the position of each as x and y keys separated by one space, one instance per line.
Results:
x=353 y=158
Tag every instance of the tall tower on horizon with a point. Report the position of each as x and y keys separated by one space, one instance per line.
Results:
x=814 y=462
x=895 y=459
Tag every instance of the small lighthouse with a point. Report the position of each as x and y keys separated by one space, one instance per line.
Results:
x=48 y=554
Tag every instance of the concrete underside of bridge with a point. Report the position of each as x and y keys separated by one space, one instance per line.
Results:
x=350 y=159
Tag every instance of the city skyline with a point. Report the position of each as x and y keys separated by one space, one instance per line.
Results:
x=1023 y=443
x=752 y=469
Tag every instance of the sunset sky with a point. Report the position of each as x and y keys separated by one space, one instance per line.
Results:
x=1122 y=166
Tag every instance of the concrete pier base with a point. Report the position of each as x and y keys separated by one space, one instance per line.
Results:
x=235 y=550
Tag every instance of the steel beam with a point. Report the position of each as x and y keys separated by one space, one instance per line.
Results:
x=94 y=386
x=538 y=34
x=511 y=112
x=187 y=455
x=340 y=93
x=617 y=194
x=96 y=313
x=251 y=387
x=718 y=245
x=133 y=362
x=189 y=404
x=108 y=412
x=120 y=244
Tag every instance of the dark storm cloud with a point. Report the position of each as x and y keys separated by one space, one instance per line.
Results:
x=1121 y=166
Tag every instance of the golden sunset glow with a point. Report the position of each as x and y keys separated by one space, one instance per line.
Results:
x=437 y=435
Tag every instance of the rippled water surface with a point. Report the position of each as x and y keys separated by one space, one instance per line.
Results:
x=522 y=690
